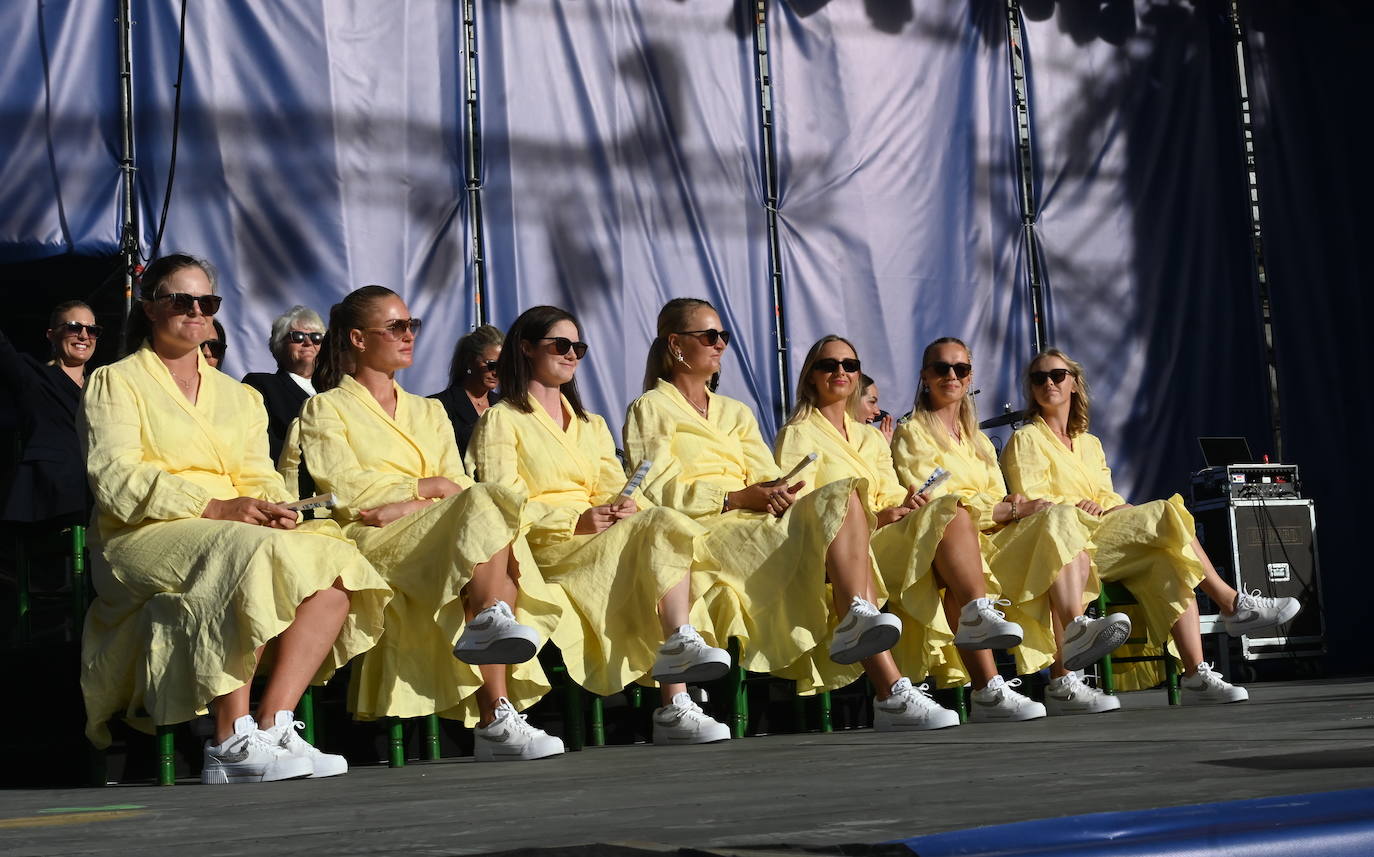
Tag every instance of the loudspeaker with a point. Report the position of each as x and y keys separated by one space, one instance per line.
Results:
x=1269 y=546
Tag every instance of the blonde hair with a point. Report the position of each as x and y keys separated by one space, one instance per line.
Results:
x=1078 y=404
x=923 y=410
x=673 y=318
x=806 y=393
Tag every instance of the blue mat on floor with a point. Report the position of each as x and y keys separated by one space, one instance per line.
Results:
x=1325 y=824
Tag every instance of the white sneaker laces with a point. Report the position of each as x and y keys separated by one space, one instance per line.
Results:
x=1209 y=676
x=991 y=606
x=862 y=606
x=1255 y=601
x=519 y=722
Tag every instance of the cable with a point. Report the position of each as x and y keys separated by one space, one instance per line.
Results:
x=176 y=135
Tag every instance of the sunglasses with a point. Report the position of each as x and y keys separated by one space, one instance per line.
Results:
x=708 y=337
x=397 y=327
x=181 y=302
x=829 y=364
x=1056 y=375
x=214 y=348
x=562 y=344
x=300 y=336
x=75 y=328
x=941 y=369
x=487 y=366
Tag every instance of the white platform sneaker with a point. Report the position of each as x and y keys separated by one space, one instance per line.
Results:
x=285 y=733
x=509 y=737
x=1255 y=612
x=983 y=626
x=1000 y=703
x=1206 y=687
x=1070 y=695
x=494 y=637
x=683 y=722
x=684 y=658
x=249 y=756
x=864 y=632
x=910 y=708
x=1087 y=640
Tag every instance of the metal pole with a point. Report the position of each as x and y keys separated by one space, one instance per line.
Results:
x=128 y=240
x=473 y=166
x=1024 y=163
x=770 y=203
x=1247 y=134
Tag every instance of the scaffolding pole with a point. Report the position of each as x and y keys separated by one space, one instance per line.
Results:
x=1262 y=292
x=473 y=166
x=129 y=251
x=1035 y=280
x=763 y=79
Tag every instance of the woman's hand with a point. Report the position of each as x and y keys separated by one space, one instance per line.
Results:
x=1091 y=508
x=597 y=519
x=914 y=498
x=380 y=516
x=892 y=515
x=250 y=510
x=775 y=497
x=437 y=487
x=887 y=427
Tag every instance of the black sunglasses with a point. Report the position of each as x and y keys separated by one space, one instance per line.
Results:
x=215 y=348
x=487 y=366
x=561 y=345
x=397 y=327
x=709 y=336
x=941 y=369
x=1056 y=375
x=830 y=364
x=181 y=302
x=75 y=328
x=300 y=336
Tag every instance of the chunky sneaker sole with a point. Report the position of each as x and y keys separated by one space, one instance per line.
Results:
x=884 y=721
x=1092 y=704
x=285 y=768
x=665 y=736
x=709 y=665
x=485 y=750
x=1007 y=638
x=1111 y=631
x=519 y=644
x=1190 y=696
x=981 y=713
x=884 y=633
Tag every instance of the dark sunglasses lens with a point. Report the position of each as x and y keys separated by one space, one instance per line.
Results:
x=561 y=344
x=579 y=350
x=489 y=366
x=724 y=337
x=850 y=366
x=827 y=365
x=214 y=349
x=209 y=304
x=415 y=325
x=961 y=370
x=75 y=328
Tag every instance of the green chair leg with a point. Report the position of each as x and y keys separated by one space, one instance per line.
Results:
x=739 y=693
x=307 y=714
x=961 y=703
x=79 y=582
x=432 y=752
x=598 y=727
x=826 y=724
x=1171 y=676
x=166 y=756
x=396 y=743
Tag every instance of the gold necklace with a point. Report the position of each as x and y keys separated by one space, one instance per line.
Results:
x=701 y=409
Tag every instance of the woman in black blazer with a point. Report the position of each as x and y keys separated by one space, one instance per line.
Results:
x=50 y=481
x=471 y=381
x=295 y=343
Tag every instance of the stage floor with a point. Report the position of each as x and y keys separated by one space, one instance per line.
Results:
x=797 y=790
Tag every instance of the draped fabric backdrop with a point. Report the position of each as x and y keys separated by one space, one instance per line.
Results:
x=322 y=148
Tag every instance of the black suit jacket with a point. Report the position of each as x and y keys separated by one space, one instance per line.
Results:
x=283 y=398
x=461 y=413
x=50 y=478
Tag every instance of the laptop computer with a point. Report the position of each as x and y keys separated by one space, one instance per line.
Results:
x=1221 y=451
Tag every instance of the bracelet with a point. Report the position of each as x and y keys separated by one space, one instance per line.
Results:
x=725 y=506
x=1014 y=516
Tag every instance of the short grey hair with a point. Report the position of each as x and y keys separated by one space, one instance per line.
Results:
x=297 y=318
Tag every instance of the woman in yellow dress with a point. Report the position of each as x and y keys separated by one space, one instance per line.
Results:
x=1038 y=551
x=452 y=552
x=618 y=558
x=206 y=566
x=920 y=545
x=1151 y=548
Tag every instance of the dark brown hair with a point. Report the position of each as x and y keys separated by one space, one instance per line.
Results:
x=336 y=351
x=513 y=368
x=673 y=318
x=470 y=347
x=154 y=277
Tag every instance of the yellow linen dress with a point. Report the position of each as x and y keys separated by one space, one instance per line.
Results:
x=901 y=552
x=614 y=579
x=1148 y=548
x=1025 y=557
x=186 y=601
x=355 y=450
x=771 y=591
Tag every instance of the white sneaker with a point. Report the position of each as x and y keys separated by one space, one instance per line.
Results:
x=998 y=702
x=510 y=738
x=1087 y=640
x=1069 y=695
x=1255 y=611
x=910 y=708
x=286 y=735
x=864 y=632
x=1206 y=687
x=684 y=657
x=494 y=637
x=683 y=722
x=983 y=626
x=248 y=757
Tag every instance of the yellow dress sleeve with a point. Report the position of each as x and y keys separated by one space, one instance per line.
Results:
x=1029 y=470
x=649 y=433
x=1106 y=495
x=913 y=456
x=610 y=475
x=793 y=442
x=257 y=476
x=494 y=455
x=327 y=441
x=128 y=488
